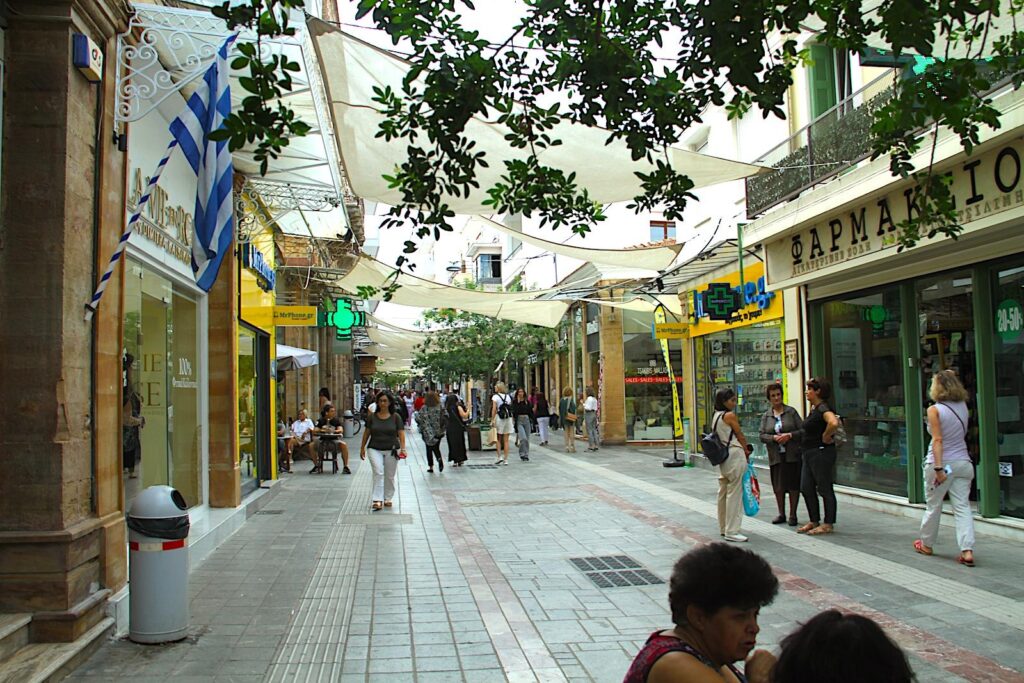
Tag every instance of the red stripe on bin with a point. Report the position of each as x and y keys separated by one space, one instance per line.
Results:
x=133 y=545
x=174 y=545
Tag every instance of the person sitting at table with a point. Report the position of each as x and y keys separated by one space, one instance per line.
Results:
x=302 y=437
x=284 y=456
x=330 y=424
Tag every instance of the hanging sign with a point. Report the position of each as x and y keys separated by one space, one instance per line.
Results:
x=677 y=417
x=295 y=316
x=727 y=303
x=254 y=260
x=342 y=316
x=670 y=330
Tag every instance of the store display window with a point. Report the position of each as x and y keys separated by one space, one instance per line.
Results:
x=747 y=359
x=862 y=361
x=161 y=377
x=1008 y=346
x=648 y=390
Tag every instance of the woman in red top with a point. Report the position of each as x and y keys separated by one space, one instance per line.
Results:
x=716 y=593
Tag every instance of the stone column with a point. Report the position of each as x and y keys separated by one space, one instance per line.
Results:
x=613 y=393
x=61 y=523
x=225 y=475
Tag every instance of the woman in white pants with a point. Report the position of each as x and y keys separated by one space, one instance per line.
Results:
x=385 y=436
x=730 y=473
x=542 y=411
x=948 y=467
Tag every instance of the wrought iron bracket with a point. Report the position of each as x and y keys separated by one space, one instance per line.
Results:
x=281 y=196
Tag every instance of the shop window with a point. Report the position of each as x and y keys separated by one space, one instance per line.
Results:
x=746 y=359
x=161 y=343
x=248 y=404
x=663 y=230
x=1008 y=299
x=862 y=361
x=649 y=409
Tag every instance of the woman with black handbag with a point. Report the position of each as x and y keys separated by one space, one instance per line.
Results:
x=730 y=472
x=567 y=416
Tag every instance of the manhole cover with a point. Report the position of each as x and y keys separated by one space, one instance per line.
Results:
x=615 y=571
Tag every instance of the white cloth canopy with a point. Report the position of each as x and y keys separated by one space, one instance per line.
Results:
x=643 y=304
x=292 y=357
x=647 y=258
x=353 y=68
x=415 y=291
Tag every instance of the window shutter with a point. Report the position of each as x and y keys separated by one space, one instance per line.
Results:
x=822 y=80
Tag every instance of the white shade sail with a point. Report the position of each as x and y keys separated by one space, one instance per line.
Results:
x=353 y=68
x=414 y=291
x=644 y=258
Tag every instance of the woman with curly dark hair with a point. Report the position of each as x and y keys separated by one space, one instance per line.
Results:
x=716 y=593
x=841 y=648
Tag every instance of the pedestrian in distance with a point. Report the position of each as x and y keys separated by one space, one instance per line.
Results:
x=948 y=467
x=567 y=415
x=590 y=417
x=819 y=458
x=542 y=413
x=730 y=473
x=531 y=398
x=430 y=420
x=782 y=431
x=455 y=430
x=580 y=424
x=522 y=413
x=329 y=424
x=409 y=402
x=132 y=421
x=501 y=421
x=384 y=443
x=715 y=594
x=841 y=648
x=324 y=398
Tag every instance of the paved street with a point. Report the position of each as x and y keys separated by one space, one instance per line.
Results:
x=469 y=578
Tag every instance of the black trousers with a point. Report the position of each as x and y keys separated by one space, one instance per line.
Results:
x=817 y=479
x=433 y=451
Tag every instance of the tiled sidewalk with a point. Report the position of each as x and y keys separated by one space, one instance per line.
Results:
x=468 y=578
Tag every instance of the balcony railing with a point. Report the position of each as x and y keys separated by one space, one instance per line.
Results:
x=830 y=144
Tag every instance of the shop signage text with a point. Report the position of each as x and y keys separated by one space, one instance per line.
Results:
x=670 y=330
x=295 y=316
x=652 y=379
x=252 y=258
x=173 y=219
x=982 y=185
x=751 y=302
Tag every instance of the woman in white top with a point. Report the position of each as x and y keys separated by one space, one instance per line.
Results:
x=590 y=420
x=730 y=473
x=948 y=467
x=501 y=419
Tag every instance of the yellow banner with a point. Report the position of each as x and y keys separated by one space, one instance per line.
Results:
x=295 y=316
x=677 y=417
x=671 y=330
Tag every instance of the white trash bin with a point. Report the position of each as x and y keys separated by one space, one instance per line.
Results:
x=158 y=566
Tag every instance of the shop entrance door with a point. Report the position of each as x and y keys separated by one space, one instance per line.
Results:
x=263 y=416
x=946 y=326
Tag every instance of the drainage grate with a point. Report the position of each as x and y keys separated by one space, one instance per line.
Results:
x=270 y=512
x=482 y=467
x=615 y=571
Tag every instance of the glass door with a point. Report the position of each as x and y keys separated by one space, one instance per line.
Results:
x=247 y=409
x=1008 y=345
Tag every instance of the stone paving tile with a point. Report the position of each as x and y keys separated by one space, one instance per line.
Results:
x=468 y=579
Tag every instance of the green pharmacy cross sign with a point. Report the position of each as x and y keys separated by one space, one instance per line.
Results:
x=342 y=316
x=721 y=302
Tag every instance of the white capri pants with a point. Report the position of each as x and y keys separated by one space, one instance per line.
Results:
x=385 y=466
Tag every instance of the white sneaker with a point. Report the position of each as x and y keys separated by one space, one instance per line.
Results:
x=736 y=538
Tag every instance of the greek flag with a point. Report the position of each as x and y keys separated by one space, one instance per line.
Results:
x=205 y=112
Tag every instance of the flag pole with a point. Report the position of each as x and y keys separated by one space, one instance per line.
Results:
x=90 y=308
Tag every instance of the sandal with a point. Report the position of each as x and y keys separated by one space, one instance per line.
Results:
x=377 y=505
x=920 y=547
x=388 y=503
x=966 y=561
x=807 y=527
x=821 y=530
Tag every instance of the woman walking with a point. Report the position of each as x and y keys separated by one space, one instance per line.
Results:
x=730 y=473
x=430 y=420
x=590 y=419
x=455 y=430
x=781 y=431
x=542 y=412
x=501 y=419
x=567 y=416
x=819 y=456
x=385 y=435
x=522 y=413
x=948 y=467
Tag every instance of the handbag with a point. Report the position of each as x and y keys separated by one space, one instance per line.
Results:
x=751 y=492
x=711 y=444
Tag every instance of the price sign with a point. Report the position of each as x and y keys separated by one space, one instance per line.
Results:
x=1009 y=320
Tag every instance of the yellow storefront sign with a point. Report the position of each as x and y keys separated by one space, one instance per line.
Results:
x=295 y=316
x=758 y=304
x=671 y=330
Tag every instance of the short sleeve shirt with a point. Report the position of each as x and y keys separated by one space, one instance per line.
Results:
x=383 y=432
x=590 y=403
x=301 y=428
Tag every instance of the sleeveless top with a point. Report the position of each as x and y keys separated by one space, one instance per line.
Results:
x=725 y=432
x=953 y=419
x=657 y=646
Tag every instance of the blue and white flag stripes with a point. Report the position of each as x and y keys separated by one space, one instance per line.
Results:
x=213 y=222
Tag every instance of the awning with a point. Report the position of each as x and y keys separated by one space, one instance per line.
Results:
x=415 y=291
x=652 y=258
x=353 y=69
x=293 y=358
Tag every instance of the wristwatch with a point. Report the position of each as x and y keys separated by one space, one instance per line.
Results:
x=938 y=469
